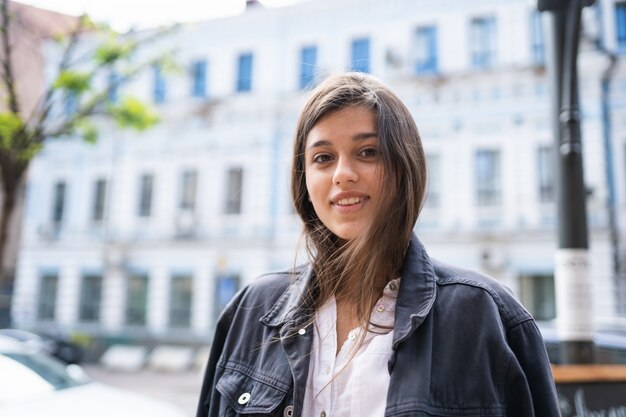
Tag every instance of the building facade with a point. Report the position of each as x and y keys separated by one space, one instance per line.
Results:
x=149 y=235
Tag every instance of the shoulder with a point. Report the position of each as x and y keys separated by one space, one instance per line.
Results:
x=479 y=291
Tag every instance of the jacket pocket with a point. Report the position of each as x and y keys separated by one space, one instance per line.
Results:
x=246 y=392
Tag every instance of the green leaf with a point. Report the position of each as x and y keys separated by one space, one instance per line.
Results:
x=73 y=81
x=87 y=130
x=27 y=154
x=113 y=50
x=10 y=125
x=134 y=114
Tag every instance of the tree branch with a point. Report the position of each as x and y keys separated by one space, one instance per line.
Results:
x=7 y=61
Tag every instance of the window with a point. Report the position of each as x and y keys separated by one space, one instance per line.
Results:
x=70 y=104
x=226 y=286
x=487 y=177
x=538 y=50
x=483 y=42
x=113 y=88
x=198 y=74
x=360 y=55
x=98 y=200
x=145 y=195
x=58 y=202
x=545 y=171
x=426 y=50
x=180 y=301
x=537 y=295
x=308 y=62
x=244 y=73
x=136 y=299
x=46 y=305
x=90 y=296
x=159 y=86
x=188 y=187
x=620 y=25
x=233 y=191
x=433 y=197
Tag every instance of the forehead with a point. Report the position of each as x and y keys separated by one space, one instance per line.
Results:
x=350 y=121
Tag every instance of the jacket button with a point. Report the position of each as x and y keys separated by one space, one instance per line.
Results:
x=244 y=398
x=288 y=411
x=301 y=331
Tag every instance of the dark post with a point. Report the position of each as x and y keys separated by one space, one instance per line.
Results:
x=573 y=289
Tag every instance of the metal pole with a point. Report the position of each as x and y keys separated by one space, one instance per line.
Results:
x=573 y=289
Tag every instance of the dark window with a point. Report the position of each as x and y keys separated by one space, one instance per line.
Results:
x=99 y=199
x=46 y=305
x=159 y=85
x=226 y=286
x=538 y=49
x=244 y=73
x=113 y=86
x=433 y=198
x=620 y=25
x=90 y=296
x=198 y=74
x=233 y=191
x=483 y=42
x=136 y=299
x=308 y=62
x=360 y=55
x=537 y=295
x=145 y=195
x=181 y=288
x=426 y=50
x=487 y=177
x=188 y=188
x=58 y=202
x=545 y=171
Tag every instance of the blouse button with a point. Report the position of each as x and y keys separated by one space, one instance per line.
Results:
x=244 y=398
x=392 y=286
x=380 y=308
x=323 y=414
x=351 y=336
x=288 y=411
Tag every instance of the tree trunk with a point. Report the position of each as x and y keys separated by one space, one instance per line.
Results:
x=11 y=175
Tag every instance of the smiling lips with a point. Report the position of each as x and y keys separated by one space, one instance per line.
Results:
x=349 y=203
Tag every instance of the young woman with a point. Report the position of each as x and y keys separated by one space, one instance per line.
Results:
x=371 y=326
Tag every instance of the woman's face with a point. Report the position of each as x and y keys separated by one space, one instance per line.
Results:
x=344 y=171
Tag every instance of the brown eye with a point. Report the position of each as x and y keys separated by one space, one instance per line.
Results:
x=369 y=152
x=321 y=158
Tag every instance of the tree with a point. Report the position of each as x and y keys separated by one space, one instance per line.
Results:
x=87 y=54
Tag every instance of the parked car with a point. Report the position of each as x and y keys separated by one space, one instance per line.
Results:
x=609 y=345
x=33 y=384
x=65 y=350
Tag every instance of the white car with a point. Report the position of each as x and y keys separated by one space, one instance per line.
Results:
x=33 y=384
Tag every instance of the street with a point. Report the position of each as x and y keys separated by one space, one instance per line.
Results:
x=179 y=388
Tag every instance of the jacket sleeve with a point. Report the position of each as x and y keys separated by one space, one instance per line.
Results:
x=217 y=346
x=530 y=389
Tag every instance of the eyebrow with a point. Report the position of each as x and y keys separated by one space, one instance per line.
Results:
x=357 y=137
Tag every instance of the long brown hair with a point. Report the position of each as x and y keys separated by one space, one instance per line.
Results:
x=359 y=269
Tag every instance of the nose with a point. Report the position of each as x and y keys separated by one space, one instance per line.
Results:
x=345 y=172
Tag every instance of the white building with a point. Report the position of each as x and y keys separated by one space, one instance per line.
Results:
x=148 y=235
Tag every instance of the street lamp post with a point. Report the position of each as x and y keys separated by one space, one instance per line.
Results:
x=573 y=295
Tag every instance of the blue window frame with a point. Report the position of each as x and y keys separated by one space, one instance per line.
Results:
x=244 y=72
x=538 y=48
x=113 y=86
x=426 y=50
x=360 y=55
x=308 y=62
x=226 y=286
x=159 y=86
x=198 y=74
x=620 y=25
x=483 y=42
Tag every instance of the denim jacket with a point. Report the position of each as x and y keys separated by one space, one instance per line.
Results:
x=462 y=346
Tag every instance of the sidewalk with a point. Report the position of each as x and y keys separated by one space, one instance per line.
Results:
x=179 y=388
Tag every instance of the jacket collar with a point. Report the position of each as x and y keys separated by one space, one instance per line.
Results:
x=415 y=298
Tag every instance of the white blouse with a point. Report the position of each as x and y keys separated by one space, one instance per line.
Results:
x=351 y=383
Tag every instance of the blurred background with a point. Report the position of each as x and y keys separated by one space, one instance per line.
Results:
x=152 y=171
